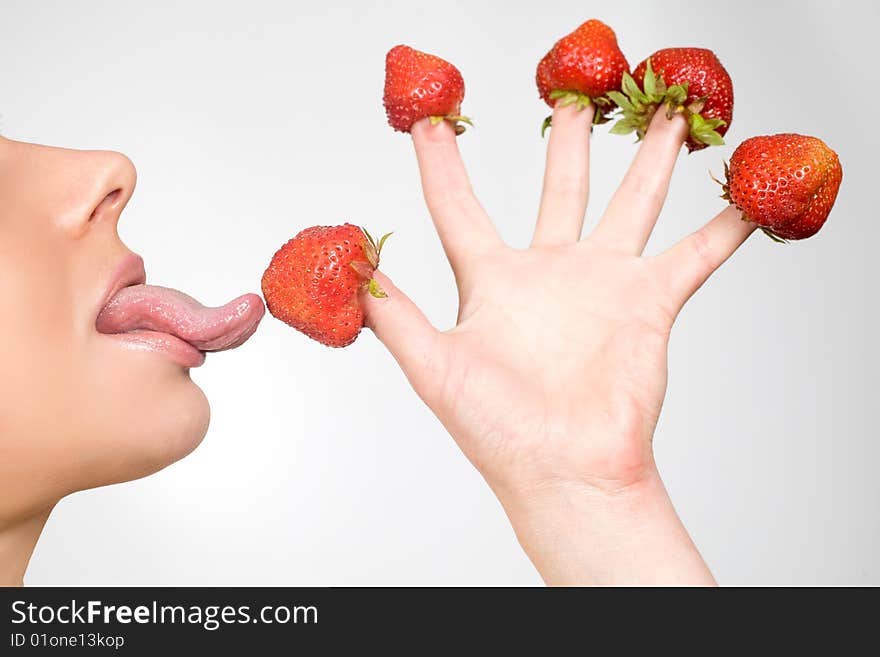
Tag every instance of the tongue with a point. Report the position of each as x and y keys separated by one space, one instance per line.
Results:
x=152 y=308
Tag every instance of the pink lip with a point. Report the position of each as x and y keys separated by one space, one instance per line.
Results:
x=180 y=351
x=130 y=271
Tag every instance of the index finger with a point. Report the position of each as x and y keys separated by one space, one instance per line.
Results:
x=463 y=226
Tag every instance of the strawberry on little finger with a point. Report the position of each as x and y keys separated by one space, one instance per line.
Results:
x=786 y=184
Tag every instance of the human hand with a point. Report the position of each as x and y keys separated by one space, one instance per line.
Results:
x=553 y=378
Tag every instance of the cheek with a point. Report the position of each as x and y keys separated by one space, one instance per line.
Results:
x=37 y=348
x=98 y=417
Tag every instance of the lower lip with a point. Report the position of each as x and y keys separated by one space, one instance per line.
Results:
x=180 y=351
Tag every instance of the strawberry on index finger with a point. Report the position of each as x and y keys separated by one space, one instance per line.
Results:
x=419 y=86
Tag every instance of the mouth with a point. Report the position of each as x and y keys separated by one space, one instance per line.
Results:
x=166 y=321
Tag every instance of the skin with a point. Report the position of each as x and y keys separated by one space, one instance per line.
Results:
x=77 y=409
x=553 y=379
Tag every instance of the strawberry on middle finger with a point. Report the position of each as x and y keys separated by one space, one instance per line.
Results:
x=581 y=68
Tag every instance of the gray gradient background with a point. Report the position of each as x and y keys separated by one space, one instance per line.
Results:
x=248 y=123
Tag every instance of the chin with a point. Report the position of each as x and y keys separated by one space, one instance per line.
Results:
x=153 y=416
x=173 y=426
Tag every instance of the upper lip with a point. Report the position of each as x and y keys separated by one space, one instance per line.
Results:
x=129 y=271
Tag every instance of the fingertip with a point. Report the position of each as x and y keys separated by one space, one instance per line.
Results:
x=399 y=324
x=570 y=115
x=674 y=127
x=732 y=221
x=374 y=306
x=424 y=132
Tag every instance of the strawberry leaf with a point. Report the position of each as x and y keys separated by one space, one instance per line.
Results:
x=650 y=81
x=677 y=94
x=703 y=130
x=661 y=87
x=456 y=119
x=568 y=97
x=546 y=124
x=697 y=106
x=773 y=236
x=711 y=138
x=382 y=242
x=376 y=289
x=725 y=188
x=621 y=100
x=631 y=89
x=600 y=117
x=623 y=127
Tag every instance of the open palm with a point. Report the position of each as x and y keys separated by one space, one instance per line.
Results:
x=556 y=369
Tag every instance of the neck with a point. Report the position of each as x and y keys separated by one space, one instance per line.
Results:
x=17 y=541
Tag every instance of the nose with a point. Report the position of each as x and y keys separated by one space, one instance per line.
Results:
x=109 y=180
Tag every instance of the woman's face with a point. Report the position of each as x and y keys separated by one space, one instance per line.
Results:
x=80 y=408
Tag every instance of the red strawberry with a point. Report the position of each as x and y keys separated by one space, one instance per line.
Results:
x=581 y=68
x=542 y=79
x=687 y=80
x=545 y=87
x=785 y=183
x=313 y=281
x=418 y=86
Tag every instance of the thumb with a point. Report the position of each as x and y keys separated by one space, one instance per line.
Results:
x=403 y=329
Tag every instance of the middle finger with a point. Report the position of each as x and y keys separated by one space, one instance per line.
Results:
x=630 y=217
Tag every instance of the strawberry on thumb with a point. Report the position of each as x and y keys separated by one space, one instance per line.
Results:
x=313 y=282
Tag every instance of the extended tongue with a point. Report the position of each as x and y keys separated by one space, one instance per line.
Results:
x=153 y=308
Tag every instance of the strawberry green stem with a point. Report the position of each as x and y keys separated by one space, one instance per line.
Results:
x=638 y=105
x=582 y=101
x=372 y=251
x=375 y=289
x=455 y=120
